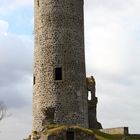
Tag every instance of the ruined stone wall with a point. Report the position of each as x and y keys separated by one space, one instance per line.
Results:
x=117 y=130
x=92 y=104
x=59 y=43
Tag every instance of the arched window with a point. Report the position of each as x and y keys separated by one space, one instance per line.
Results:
x=89 y=95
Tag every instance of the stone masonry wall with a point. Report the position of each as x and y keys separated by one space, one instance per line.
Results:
x=59 y=42
x=117 y=130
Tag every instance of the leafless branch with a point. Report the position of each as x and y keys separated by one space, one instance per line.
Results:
x=3 y=110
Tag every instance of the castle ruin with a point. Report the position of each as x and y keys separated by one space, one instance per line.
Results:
x=60 y=86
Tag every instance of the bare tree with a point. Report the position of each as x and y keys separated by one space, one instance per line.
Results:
x=2 y=110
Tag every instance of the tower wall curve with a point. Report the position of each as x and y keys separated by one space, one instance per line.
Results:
x=59 y=91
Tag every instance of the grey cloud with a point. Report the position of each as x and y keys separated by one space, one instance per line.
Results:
x=7 y=6
x=13 y=97
x=118 y=103
x=16 y=60
x=111 y=5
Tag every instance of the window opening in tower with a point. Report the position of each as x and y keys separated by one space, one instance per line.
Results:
x=58 y=73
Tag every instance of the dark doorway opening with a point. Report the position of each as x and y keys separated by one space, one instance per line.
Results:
x=70 y=135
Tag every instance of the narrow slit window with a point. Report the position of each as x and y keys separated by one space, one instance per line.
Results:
x=58 y=73
x=34 y=80
x=70 y=135
x=38 y=3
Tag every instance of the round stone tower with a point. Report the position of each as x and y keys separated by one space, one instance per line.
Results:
x=59 y=90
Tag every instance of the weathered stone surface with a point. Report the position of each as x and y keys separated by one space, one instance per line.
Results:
x=59 y=43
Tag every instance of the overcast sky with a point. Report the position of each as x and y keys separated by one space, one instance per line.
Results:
x=112 y=45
